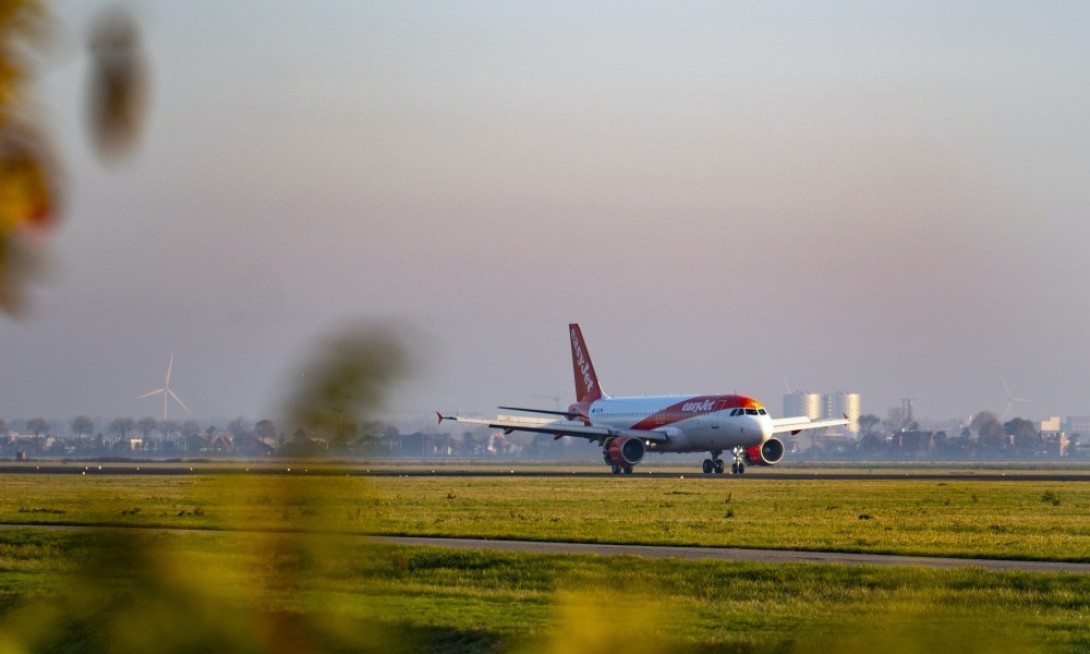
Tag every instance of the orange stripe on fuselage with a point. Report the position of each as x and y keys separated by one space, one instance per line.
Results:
x=695 y=406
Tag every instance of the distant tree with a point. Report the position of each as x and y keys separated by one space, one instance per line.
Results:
x=3 y=426
x=122 y=426
x=168 y=427
x=265 y=430
x=37 y=425
x=210 y=431
x=301 y=446
x=898 y=420
x=476 y=442
x=867 y=423
x=190 y=427
x=239 y=427
x=940 y=442
x=871 y=443
x=82 y=425
x=989 y=432
x=1023 y=434
x=146 y=426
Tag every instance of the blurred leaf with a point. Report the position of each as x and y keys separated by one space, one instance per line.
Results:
x=345 y=381
x=594 y=617
x=28 y=179
x=117 y=101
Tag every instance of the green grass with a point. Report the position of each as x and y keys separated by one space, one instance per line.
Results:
x=272 y=573
x=91 y=591
x=1026 y=520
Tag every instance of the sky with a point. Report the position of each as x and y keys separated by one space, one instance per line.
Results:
x=880 y=197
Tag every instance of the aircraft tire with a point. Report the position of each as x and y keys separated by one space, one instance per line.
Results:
x=708 y=466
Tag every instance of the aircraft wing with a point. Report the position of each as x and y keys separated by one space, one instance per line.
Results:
x=557 y=428
x=801 y=423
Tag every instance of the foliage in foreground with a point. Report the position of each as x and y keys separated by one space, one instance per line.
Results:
x=165 y=591
x=280 y=566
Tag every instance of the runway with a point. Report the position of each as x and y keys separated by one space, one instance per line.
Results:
x=577 y=472
x=735 y=554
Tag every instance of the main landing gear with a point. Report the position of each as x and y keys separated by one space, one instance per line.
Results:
x=715 y=464
x=619 y=469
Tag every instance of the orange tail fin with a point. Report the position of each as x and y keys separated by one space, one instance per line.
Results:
x=587 y=388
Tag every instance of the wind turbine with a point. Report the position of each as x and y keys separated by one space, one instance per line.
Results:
x=166 y=390
x=1010 y=399
x=555 y=398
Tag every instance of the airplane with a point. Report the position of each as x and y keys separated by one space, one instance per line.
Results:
x=628 y=427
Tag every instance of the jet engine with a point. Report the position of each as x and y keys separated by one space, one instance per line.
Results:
x=626 y=451
x=768 y=453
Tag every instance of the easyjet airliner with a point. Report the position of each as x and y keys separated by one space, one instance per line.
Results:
x=629 y=427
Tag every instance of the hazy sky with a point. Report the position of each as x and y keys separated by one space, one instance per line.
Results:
x=884 y=197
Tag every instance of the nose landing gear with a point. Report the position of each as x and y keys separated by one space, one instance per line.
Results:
x=739 y=465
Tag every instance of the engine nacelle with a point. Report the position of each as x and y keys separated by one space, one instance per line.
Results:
x=625 y=451
x=768 y=453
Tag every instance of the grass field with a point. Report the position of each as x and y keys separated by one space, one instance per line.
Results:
x=1029 y=520
x=252 y=590
x=88 y=591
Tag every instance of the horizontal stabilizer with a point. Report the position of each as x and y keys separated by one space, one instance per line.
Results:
x=567 y=414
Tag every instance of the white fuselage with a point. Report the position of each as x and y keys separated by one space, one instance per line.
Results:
x=700 y=423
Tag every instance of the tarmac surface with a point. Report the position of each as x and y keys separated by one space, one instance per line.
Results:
x=355 y=470
x=735 y=554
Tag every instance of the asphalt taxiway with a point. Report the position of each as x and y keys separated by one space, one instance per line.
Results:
x=735 y=554
x=356 y=470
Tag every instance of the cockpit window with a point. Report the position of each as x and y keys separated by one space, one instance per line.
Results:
x=751 y=412
x=762 y=412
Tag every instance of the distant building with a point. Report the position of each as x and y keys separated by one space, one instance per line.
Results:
x=841 y=404
x=802 y=404
x=817 y=406
x=1078 y=425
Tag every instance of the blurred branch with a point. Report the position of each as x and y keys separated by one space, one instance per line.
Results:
x=30 y=179
x=346 y=380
